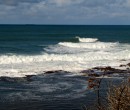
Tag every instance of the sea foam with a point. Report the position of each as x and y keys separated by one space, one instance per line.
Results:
x=96 y=45
x=87 y=39
x=66 y=56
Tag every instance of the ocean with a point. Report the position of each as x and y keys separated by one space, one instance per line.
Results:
x=30 y=49
x=35 y=49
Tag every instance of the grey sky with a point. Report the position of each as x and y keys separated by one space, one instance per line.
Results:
x=65 y=11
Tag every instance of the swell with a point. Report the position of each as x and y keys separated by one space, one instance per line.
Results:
x=96 y=45
x=86 y=56
x=87 y=39
x=66 y=56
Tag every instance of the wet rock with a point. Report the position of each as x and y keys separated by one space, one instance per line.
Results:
x=29 y=77
x=87 y=71
x=49 y=72
x=105 y=69
x=110 y=70
x=56 y=71
x=94 y=75
x=128 y=64
x=122 y=66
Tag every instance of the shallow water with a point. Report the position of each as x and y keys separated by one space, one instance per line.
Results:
x=60 y=91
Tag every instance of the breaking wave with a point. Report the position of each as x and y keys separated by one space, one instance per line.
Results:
x=79 y=57
x=87 y=39
x=96 y=45
x=66 y=56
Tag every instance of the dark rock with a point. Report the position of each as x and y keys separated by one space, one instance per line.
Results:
x=110 y=70
x=29 y=77
x=128 y=64
x=107 y=69
x=48 y=72
x=56 y=71
x=122 y=66
x=94 y=75
x=87 y=71
x=97 y=68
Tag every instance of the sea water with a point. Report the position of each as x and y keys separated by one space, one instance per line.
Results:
x=32 y=49
x=35 y=49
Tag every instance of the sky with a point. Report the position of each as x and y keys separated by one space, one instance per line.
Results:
x=87 y=12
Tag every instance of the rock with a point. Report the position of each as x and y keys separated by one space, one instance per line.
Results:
x=87 y=71
x=110 y=70
x=48 y=72
x=97 y=68
x=128 y=64
x=56 y=71
x=107 y=69
x=29 y=77
x=94 y=75
x=122 y=66
x=103 y=68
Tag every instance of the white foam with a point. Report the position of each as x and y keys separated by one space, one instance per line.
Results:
x=80 y=57
x=96 y=45
x=87 y=39
x=66 y=56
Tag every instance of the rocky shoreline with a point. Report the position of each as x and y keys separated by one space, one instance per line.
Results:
x=108 y=70
x=93 y=72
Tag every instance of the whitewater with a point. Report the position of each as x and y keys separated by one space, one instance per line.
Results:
x=67 y=56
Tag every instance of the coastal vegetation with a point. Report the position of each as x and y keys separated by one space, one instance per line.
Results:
x=118 y=95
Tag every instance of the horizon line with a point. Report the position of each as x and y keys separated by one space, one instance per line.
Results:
x=68 y=24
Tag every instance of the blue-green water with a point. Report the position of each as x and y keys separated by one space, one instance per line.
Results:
x=26 y=39
x=25 y=48
x=34 y=49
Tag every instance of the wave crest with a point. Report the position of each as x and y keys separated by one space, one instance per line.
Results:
x=87 y=39
x=97 y=45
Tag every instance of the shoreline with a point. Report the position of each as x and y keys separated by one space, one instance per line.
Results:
x=105 y=71
x=51 y=87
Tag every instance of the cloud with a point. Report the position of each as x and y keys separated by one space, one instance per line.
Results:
x=64 y=11
x=15 y=2
x=65 y=2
